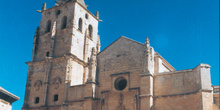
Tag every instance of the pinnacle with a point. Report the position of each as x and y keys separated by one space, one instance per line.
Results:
x=147 y=41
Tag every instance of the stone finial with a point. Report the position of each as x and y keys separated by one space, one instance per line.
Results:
x=44 y=6
x=147 y=42
x=56 y=3
x=97 y=14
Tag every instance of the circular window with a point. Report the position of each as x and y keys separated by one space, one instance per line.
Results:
x=120 y=83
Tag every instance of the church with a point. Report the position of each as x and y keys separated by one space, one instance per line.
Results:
x=69 y=72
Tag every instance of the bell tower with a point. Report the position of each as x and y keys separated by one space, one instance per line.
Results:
x=63 y=44
x=68 y=28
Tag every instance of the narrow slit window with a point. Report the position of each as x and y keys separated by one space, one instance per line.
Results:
x=58 y=12
x=55 y=98
x=80 y=25
x=48 y=54
x=90 y=31
x=37 y=100
x=48 y=26
x=64 y=22
x=86 y=16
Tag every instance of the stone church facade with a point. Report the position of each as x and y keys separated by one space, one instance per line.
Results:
x=68 y=71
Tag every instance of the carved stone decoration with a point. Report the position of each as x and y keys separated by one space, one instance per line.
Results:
x=121 y=106
x=38 y=85
x=56 y=82
x=92 y=66
x=148 y=58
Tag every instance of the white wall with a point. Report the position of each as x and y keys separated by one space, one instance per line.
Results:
x=5 y=105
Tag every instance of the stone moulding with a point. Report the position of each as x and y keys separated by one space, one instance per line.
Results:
x=200 y=90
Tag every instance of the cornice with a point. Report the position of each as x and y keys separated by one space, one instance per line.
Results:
x=65 y=56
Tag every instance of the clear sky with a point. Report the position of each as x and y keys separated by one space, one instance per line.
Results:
x=184 y=32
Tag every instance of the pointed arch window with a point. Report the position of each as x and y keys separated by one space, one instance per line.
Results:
x=48 y=26
x=80 y=25
x=64 y=22
x=90 y=31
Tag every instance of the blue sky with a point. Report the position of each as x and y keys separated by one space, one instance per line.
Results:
x=184 y=32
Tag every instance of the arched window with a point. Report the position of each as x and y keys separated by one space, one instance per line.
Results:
x=64 y=22
x=58 y=12
x=80 y=25
x=90 y=31
x=48 y=26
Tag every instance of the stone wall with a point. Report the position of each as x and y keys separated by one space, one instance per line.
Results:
x=122 y=59
x=179 y=102
x=60 y=53
x=76 y=93
x=123 y=56
x=60 y=41
x=63 y=73
x=216 y=97
x=57 y=41
x=55 y=72
x=79 y=37
x=160 y=65
x=183 y=90
x=177 y=82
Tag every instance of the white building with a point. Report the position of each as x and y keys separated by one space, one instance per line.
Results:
x=6 y=99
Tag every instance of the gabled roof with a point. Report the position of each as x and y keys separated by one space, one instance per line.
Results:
x=122 y=37
x=168 y=65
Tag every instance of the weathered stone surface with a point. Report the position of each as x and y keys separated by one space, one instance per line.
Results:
x=68 y=71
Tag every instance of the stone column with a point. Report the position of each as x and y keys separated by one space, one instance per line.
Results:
x=206 y=87
x=89 y=96
x=146 y=92
x=53 y=37
x=90 y=83
x=92 y=66
x=146 y=89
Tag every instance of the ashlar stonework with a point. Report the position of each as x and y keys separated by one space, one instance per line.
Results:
x=68 y=71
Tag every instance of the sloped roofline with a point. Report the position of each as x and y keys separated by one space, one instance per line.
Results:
x=117 y=40
x=169 y=66
x=13 y=97
x=165 y=62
